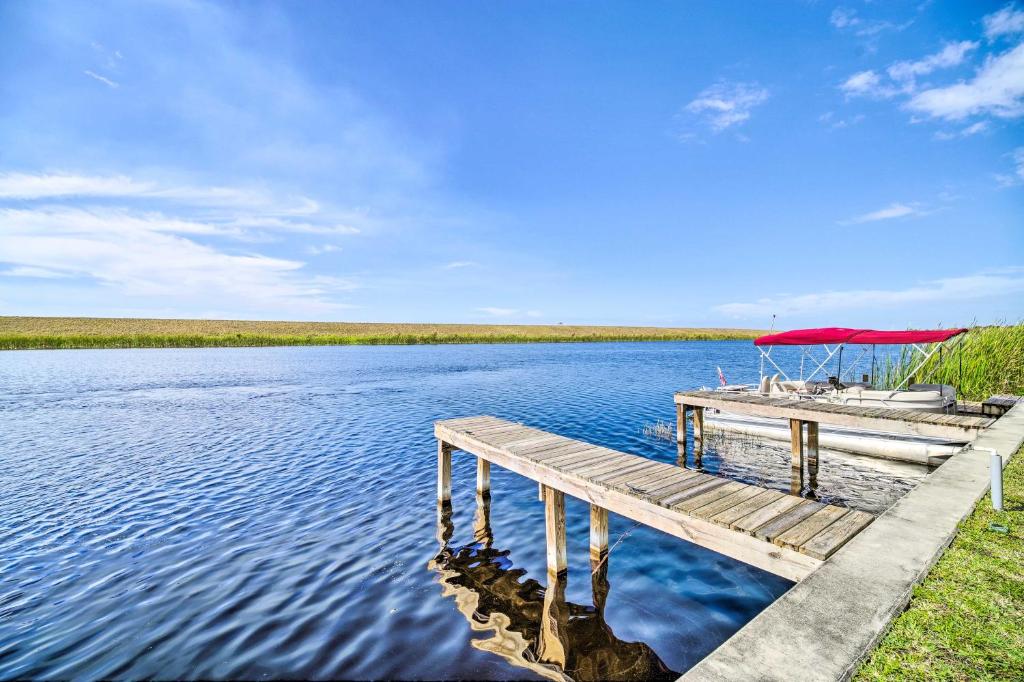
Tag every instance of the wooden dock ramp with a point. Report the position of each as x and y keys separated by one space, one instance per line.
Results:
x=787 y=535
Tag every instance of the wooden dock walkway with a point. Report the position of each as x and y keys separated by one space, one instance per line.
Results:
x=784 y=534
x=957 y=428
x=805 y=415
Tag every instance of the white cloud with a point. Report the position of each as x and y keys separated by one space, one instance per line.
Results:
x=726 y=104
x=37 y=273
x=895 y=210
x=969 y=131
x=319 y=250
x=1007 y=21
x=903 y=75
x=951 y=55
x=53 y=185
x=971 y=287
x=867 y=84
x=510 y=312
x=1017 y=178
x=34 y=186
x=102 y=79
x=156 y=256
x=458 y=264
x=997 y=89
x=843 y=17
x=829 y=119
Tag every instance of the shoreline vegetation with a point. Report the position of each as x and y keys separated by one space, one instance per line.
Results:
x=963 y=621
x=31 y=333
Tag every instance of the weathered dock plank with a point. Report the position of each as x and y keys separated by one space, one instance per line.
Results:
x=722 y=515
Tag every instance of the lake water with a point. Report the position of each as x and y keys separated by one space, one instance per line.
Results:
x=271 y=512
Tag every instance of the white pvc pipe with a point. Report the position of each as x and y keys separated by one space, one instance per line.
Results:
x=995 y=464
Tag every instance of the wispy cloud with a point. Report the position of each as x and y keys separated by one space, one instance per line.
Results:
x=894 y=210
x=726 y=104
x=867 y=84
x=499 y=312
x=833 y=122
x=969 y=131
x=102 y=79
x=33 y=186
x=458 y=264
x=902 y=76
x=952 y=54
x=151 y=255
x=35 y=273
x=1007 y=21
x=509 y=312
x=1017 y=177
x=320 y=249
x=844 y=17
x=997 y=89
x=970 y=287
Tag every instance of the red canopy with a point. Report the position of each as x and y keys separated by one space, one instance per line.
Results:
x=806 y=337
x=871 y=336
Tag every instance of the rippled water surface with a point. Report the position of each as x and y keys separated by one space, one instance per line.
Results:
x=243 y=513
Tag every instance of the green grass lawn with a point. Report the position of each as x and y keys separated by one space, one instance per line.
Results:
x=966 y=621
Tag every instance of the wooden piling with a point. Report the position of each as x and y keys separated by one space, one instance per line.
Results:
x=812 y=453
x=598 y=532
x=681 y=423
x=483 y=476
x=444 y=472
x=554 y=524
x=698 y=429
x=796 y=443
x=796 y=435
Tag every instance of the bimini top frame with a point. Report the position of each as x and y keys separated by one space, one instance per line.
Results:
x=834 y=339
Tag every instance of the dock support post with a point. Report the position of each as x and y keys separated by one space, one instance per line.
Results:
x=698 y=429
x=483 y=476
x=598 y=533
x=680 y=423
x=540 y=491
x=444 y=472
x=796 y=435
x=812 y=454
x=554 y=524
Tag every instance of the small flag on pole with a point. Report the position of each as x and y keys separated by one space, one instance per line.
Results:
x=721 y=377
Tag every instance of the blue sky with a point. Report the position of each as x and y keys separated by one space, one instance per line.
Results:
x=853 y=164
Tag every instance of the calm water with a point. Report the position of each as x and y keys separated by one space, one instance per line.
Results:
x=244 y=513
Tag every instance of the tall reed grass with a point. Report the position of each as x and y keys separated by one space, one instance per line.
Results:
x=70 y=332
x=990 y=362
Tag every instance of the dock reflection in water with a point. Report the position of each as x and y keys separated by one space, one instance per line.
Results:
x=533 y=625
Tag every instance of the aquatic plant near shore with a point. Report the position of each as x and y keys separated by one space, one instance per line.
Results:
x=991 y=362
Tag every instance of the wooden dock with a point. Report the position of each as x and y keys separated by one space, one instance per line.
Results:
x=805 y=415
x=956 y=428
x=784 y=534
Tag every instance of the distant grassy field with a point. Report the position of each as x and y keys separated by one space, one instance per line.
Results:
x=89 y=332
